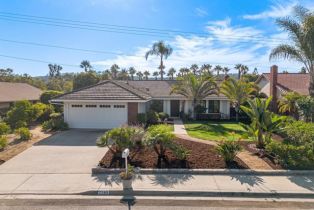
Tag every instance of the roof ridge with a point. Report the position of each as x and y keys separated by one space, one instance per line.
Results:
x=119 y=84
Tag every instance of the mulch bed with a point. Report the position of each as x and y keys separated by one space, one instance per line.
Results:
x=250 y=146
x=202 y=156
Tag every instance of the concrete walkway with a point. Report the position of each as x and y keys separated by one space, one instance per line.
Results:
x=234 y=185
x=251 y=160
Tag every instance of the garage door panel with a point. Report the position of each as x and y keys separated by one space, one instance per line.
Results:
x=97 y=117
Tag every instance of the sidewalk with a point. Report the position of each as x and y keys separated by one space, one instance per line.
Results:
x=234 y=185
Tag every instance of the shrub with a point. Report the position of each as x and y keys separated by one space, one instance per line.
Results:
x=55 y=125
x=119 y=139
x=3 y=142
x=20 y=114
x=4 y=128
x=152 y=117
x=160 y=137
x=141 y=118
x=180 y=152
x=162 y=116
x=299 y=133
x=291 y=156
x=24 y=133
x=48 y=95
x=42 y=112
x=228 y=149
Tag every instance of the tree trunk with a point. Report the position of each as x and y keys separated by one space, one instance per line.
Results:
x=237 y=112
x=260 y=142
x=161 y=68
x=193 y=109
x=311 y=87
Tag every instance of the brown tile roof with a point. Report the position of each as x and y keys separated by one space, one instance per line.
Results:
x=293 y=82
x=11 y=92
x=105 y=90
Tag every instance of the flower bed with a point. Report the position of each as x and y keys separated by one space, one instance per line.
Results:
x=202 y=156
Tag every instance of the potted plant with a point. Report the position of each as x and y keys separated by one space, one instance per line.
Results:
x=127 y=177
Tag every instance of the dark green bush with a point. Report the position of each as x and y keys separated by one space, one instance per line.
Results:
x=162 y=116
x=24 y=133
x=142 y=118
x=56 y=123
x=291 y=156
x=48 y=95
x=228 y=149
x=4 y=128
x=3 y=142
x=299 y=133
x=152 y=117
x=20 y=114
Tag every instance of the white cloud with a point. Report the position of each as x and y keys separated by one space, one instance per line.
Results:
x=200 y=12
x=225 y=45
x=275 y=11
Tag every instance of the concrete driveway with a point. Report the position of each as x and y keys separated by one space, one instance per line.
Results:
x=72 y=151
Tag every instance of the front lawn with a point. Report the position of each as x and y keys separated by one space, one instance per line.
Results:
x=214 y=130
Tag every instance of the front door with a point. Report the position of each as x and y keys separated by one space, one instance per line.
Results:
x=174 y=108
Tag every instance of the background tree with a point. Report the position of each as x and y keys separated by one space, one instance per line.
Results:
x=194 y=69
x=155 y=74
x=84 y=79
x=255 y=72
x=146 y=74
x=301 y=33
x=238 y=92
x=218 y=69
x=302 y=70
x=132 y=71
x=242 y=69
x=171 y=73
x=54 y=70
x=85 y=64
x=123 y=74
x=46 y=96
x=114 y=69
x=6 y=75
x=195 y=88
x=161 y=50
x=139 y=74
x=225 y=70
x=206 y=68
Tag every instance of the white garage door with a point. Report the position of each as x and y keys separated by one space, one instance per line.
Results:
x=96 y=115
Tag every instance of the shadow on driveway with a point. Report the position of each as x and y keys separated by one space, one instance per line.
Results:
x=73 y=137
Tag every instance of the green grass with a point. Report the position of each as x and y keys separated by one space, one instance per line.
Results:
x=215 y=131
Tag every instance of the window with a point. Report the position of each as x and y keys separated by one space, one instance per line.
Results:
x=104 y=106
x=90 y=106
x=77 y=105
x=157 y=105
x=119 y=106
x=213 y=106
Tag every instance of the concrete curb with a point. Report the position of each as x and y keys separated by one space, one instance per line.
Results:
x=100 y=170
x=156 y=193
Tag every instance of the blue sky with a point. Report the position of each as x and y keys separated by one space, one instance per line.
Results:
x=219 y=32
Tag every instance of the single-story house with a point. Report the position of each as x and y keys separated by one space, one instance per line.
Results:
x=277 y=84
x=11 y=92
x=113 y=103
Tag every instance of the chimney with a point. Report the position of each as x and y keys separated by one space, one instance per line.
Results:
x=273 y=87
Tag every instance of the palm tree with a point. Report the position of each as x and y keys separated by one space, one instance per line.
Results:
x=218 y=68
x=238 y=92
x=140 y=75
x=146 y=74
x=242 y=69
x=161 y=50
x=114 y=69
x=85 y=64
x=54 y=70
x=288 y=103
x=264 y=122
x=132 y=71
x=225 y=70
x=123 y=74
x=194 y=68
x=155 y=74
x=171 y=73
x=206 y=68
x=301 y=32
x=195 y=88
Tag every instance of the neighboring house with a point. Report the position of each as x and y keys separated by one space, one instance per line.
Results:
x=113 y=103
x=277 y=84
x=11 y=92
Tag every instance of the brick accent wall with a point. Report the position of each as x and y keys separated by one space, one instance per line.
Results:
x=132 y=113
